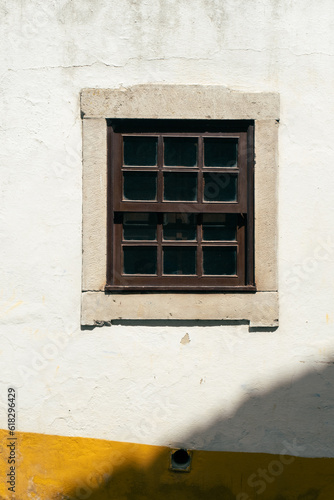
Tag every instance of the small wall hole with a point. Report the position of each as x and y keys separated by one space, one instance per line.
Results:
x=181 y=460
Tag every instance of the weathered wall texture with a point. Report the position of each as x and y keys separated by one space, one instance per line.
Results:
x=226 y=388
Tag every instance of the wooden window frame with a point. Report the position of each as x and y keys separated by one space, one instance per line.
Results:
x=243 y=207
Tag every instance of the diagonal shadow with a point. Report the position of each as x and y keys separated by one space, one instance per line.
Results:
x=289 y=420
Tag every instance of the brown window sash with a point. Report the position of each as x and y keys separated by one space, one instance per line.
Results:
x=243 y=206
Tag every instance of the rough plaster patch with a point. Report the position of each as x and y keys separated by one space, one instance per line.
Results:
x=185 y=340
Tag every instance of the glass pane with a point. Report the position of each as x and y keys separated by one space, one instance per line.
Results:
x=220 y=260
x=139 y=260
x=140 y=151
x=139 y=226
x=180 y=151
x=220 y=187
x=220 y=227
x=220 y=152
x=180 y=186
x=140 y=185
x=179 y=227
x=179 y=260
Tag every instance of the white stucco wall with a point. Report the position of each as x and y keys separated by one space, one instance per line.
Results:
x=228 y=388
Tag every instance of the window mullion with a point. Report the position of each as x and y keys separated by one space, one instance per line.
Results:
x=200 y=194
x=199 y=263
x=200 y=162
x=160 y=199
x=160 y=168
x=159 y=239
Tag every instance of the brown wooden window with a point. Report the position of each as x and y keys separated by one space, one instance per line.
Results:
x=180 y=205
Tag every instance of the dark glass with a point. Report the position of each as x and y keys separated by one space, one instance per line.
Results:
x=140 y=185
x=180 y=186
x=139 y=260
x=179 y=227
x=140 y=151
x=219 y=261
x=180 y=151
x=179 y=260
x=137 y=226
x=220 y=152
x=220 y=187
x=220 y=227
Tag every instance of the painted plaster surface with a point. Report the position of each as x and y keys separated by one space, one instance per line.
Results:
x=227 y=389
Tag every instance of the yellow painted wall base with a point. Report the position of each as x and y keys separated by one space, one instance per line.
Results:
x=65 y=468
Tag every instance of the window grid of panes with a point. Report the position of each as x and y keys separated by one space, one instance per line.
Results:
x=174 y=169
x=179 y=209
x=179 y=243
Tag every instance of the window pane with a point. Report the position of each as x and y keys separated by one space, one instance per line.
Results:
x=140 y=185
x=180 y=186
x=179 y=227
x=139 y=260
x=219 y=260
x=219 y=227
x=179 y=260
x=220 y=187
x=139 y=226
x=140 y=151
x=220 y=152
x=180 y=152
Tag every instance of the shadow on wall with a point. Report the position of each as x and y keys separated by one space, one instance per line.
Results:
x=304 y=404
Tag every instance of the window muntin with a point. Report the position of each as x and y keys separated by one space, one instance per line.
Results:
x=183 y=211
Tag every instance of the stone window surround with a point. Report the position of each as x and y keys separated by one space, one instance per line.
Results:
x=205 y=102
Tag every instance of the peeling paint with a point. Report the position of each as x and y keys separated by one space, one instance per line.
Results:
x=185 y=340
